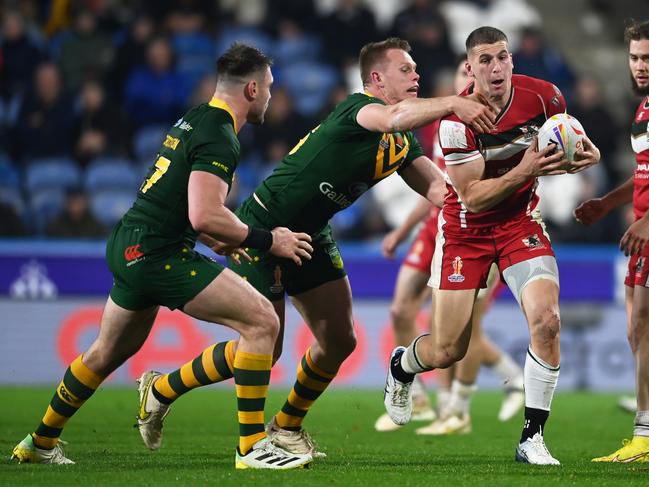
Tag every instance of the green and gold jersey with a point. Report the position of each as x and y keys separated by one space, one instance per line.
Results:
x=332 y=166
x=204 y=139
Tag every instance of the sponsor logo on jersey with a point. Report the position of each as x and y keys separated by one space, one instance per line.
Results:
x=277 y=286
x=337 y=197
x=221 y=166
x=457 y=270
x=171 y=142
x=133 y=255
x=182 y=125
x=336 y=258
x=533 y=242
x=357 y=189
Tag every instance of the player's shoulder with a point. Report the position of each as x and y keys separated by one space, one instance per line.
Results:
x=543 y=88
x=355 y=101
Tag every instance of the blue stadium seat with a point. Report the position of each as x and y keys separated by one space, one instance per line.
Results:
x=44 y=205
x=309 y=84
x=231 y=34
x=147 y=142
x=55 y=173
x=13 y=197
x=9 y=175
x=111 y=173
x=301 y=48
x=110 y=205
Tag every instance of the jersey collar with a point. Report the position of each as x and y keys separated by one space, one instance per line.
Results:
x=223 y=105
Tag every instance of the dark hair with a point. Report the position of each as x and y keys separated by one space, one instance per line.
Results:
x=240 y=61
x=374 y=52
x=636 y=30
x=484 y=35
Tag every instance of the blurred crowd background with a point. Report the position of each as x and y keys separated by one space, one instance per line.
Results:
x=89 y=87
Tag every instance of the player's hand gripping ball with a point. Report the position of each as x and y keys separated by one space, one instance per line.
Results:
x=565 y=131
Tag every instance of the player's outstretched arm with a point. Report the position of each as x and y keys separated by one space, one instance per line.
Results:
x=593 y=210
x=413 y=113
x=208 y=215
x=393 y=239
x=479 y=194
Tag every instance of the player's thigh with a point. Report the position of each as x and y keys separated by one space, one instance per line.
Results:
x=232 y=301
x=121 y=334
x=540 y=302
x=327 y=310
x=410 y=291
x=453 y=313
x=640 y=314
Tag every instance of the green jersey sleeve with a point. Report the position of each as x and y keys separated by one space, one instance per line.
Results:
x=215 y=149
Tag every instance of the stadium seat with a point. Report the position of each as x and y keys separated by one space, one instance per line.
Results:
x=110 y=205
x=44 y=205
x=13 y=197
x=148 y=141
x=295 y=49
x=310 y=84
x=55 y=173
x=9 y=175
x=111 y=173
x=231 y=34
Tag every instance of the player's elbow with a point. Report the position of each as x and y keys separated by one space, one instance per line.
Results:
x=200 y=220
x=473 y=205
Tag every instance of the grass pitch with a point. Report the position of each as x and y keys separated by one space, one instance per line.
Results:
x=201 y=433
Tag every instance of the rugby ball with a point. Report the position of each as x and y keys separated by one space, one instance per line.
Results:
x=563 y=130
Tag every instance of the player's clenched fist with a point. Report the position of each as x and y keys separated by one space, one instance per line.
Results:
x=291 y=245
x=475 y=111
x=591 y=211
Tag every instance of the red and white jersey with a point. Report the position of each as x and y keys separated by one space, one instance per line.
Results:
x=531 y=103
x=640 y=144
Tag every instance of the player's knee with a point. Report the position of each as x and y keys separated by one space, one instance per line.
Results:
x=340 y=347
x=546 y=324
x=639 y=330
x=449 y=353
x=402 y=316
x=265 y=324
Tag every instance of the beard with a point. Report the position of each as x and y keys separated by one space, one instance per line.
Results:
x=637 y=89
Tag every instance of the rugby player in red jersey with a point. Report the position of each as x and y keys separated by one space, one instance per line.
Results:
x=489 y=216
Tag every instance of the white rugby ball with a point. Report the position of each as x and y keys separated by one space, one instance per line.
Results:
x=563 y=130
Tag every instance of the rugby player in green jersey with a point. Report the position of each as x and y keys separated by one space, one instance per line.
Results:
x=152 y=258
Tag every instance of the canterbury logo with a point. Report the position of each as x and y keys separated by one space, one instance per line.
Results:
x=65 y=395
x=132 y=252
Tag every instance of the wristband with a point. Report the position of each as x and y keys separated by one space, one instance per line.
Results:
x=258 y=238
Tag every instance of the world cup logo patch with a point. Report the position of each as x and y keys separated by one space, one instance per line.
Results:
x=457 y=270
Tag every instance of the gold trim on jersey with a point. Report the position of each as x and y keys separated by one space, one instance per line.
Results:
x=223 y=105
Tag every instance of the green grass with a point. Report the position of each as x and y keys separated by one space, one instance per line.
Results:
x=201 y=433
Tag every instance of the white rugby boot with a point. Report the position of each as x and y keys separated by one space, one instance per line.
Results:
x=397 y=396
x=295 y=442
x=151 y=414
x=265 y=455
x=534 y=451
x=27 y=452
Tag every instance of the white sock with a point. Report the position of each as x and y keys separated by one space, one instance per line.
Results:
x=509 y=372
x=641 y=424
x=443 y=401
x=410 y=362
x=461 y=397
x=540 y=382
